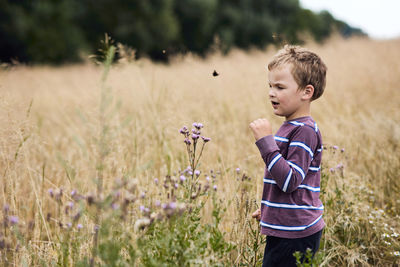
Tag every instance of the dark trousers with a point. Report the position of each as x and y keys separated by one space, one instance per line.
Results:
x=279 y=251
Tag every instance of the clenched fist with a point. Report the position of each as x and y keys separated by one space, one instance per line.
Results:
x=260 y=128
x=257 y=215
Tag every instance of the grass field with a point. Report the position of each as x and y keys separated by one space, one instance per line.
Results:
x=64 y=128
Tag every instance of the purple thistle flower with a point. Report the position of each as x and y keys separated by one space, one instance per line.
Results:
x=187 y=141
x=190 y=172
x=340 y=166
x=73 y=193
x=195 y=136
x=13 y=220
x=69 y=225
x=215 y=188
x=156 y=180
x=342 y=150
x=164 y=206
x=143 y=195
x=198 y=125
x=237 y=170
x=332 y=170
x=157 y=203
x=115 y=206
x=172 y=205
x=70 y=204
x=141 y=208
x=197 y=173
x=183 y=130
x=206 y=139
x=79 y=226
x=182 y=178
x=208 y=179
x=6 y=208
x=335 y=147
x=176 y=185
x=51 y=192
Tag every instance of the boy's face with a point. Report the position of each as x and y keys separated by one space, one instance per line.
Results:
x=286 y=98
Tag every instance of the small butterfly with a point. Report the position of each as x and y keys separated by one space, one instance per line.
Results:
x=215 y=73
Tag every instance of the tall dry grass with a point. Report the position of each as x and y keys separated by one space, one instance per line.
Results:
x=50 y=120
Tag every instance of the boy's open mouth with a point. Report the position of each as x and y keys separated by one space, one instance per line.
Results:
x=274 y=103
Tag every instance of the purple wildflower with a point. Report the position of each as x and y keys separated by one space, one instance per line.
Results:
x=198 y=125
x=172 y=205
x=51 y=192
x=195 y=136
x=69 y=225
x=13 y=220
x=70 y=204
x=197 y=173
x=215 y=188
x=183 y=130
x=335 y=147
x=6 y=208
x=143 y=195
x=342 y=150
x=237 y=170
x=79 y=226
x=176 y=185
x=332 y=170
x=187 y=141
x=141 y=208
x=182 y=178
x=157 y=203
x=156 y=181
x=115 y=206
x=206 y=139
x=340 y=166
x=208 y=179
x=73 y=193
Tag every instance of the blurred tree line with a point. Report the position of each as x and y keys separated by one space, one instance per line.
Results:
x=59 y=31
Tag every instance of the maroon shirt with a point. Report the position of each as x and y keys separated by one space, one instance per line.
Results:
x=290 y=206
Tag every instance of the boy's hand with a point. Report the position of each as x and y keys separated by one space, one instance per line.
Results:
x=260 y=128
x=257 y=215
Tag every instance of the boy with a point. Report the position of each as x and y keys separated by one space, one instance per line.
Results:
x=291 y=211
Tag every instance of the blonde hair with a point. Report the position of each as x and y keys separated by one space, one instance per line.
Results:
x=307 y=67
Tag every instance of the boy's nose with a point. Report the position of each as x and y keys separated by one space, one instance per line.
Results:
x=271 y=92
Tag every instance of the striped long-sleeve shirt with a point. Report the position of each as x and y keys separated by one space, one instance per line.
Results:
x=290 y=206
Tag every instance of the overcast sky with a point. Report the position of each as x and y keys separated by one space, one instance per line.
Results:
x=378 y=18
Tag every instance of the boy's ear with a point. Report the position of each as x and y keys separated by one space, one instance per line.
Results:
x=308 y=92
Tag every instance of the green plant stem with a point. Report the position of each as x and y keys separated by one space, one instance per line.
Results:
x=103 y=148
